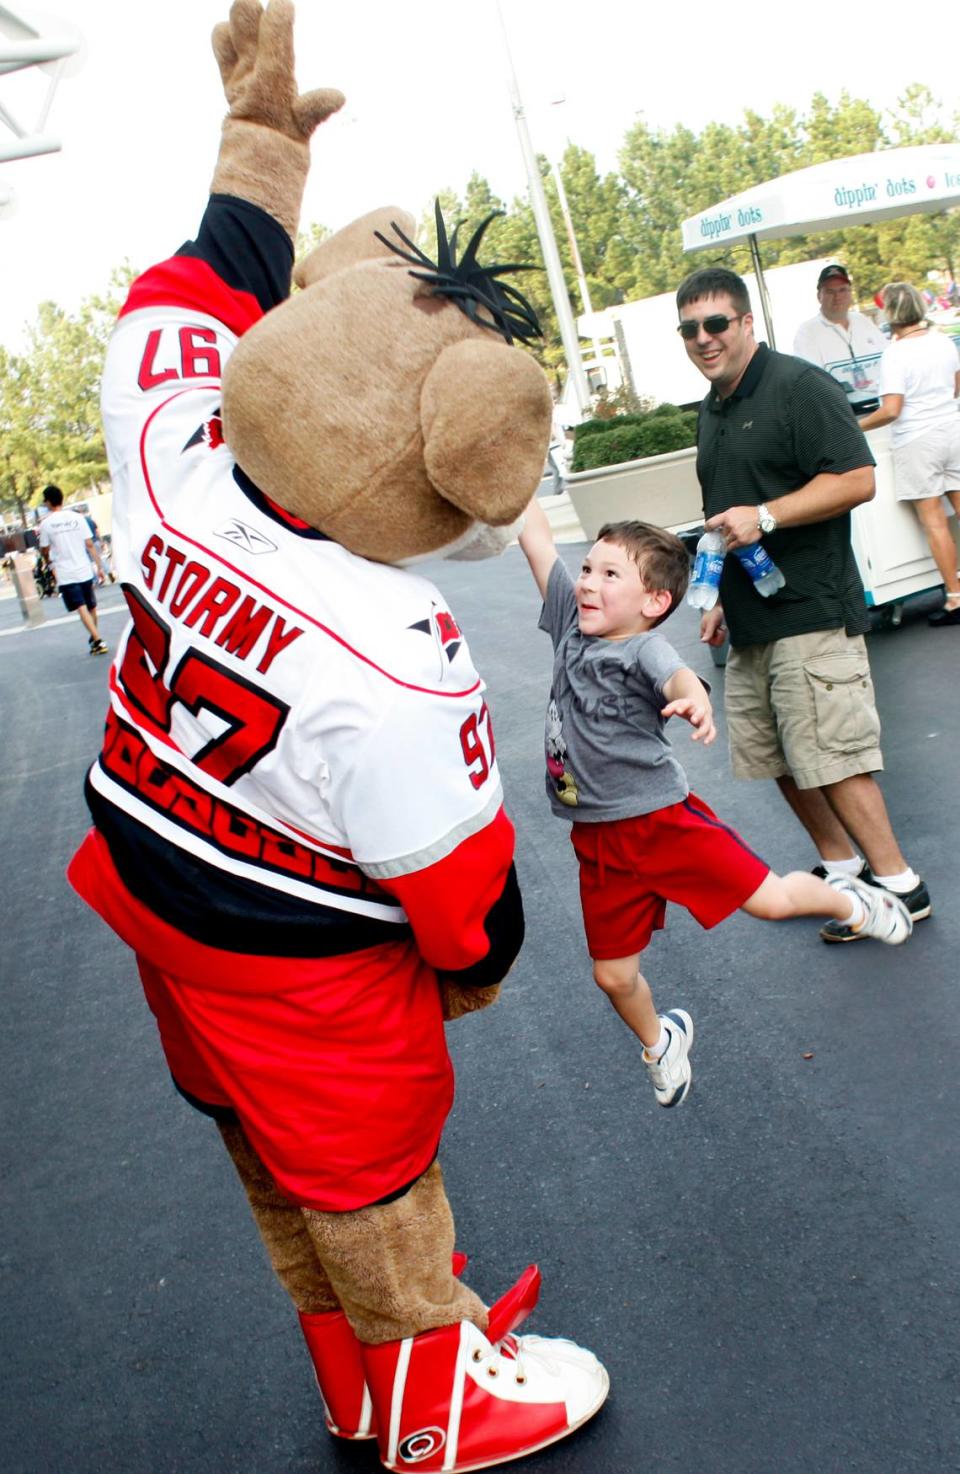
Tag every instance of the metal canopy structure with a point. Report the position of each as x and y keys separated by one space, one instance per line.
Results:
x=32 y=40
x=858 y=190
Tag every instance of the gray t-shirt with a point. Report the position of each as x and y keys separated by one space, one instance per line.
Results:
x=607 y=753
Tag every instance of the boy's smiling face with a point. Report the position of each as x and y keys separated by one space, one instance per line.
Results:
x=612 y=600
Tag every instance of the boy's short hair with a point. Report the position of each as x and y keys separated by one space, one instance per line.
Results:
x=53 y=496
x=663 y=560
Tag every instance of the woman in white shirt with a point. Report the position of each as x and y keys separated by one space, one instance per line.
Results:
x=919 y=388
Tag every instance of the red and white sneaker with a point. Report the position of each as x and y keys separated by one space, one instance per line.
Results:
x=454 y=1399
x=335 y=1353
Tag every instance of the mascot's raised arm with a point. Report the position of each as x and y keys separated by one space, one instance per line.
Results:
x=298 y=823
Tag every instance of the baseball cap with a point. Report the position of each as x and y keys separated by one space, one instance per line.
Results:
x=829 y=272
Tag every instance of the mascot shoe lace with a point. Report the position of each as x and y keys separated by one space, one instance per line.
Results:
x=454 y=1400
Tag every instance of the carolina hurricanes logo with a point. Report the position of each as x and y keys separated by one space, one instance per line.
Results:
x=447 y=626
x=445 y=630
x=420 y=1445
x=210 y=433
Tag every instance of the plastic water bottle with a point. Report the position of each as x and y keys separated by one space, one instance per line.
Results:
x=704 y=587
x=764 y=573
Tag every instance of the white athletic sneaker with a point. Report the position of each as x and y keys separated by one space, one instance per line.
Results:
x=887 y=918
x=671 y=1074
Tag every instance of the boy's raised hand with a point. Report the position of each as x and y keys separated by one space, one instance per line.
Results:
x=698 y=712
x=536 y=540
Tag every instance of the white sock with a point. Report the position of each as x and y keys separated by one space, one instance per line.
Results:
x=654 y=1051
x=899 y=884
x=853 y=866
x=859 y=913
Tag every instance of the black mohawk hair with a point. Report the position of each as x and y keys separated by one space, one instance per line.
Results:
x=468 y=284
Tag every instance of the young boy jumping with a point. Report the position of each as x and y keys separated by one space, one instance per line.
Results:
x=641 y=837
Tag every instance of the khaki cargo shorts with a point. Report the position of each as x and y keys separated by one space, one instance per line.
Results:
x=803 y=707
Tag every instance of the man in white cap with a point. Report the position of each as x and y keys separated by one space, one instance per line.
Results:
x=844 y=342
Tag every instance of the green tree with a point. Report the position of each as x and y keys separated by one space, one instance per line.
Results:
x=49 y=399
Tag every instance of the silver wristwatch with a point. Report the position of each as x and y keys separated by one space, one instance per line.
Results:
x=766 y=521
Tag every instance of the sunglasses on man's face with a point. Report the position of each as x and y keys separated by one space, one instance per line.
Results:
x=714 y=325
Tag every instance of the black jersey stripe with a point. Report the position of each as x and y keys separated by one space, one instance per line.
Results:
x=224 y=910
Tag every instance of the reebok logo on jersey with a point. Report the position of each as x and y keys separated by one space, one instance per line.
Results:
x=245 y=537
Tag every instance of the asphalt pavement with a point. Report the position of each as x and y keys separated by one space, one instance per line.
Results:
x=769 y=1272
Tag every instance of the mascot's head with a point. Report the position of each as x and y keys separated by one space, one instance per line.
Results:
x=385 y=403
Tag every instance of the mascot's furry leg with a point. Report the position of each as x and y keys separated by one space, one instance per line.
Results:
x=330 y=1340
x=452 y=1388
x=285 y=1229
x=398 y=1343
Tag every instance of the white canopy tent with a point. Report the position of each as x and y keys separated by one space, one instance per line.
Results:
x=858 y=190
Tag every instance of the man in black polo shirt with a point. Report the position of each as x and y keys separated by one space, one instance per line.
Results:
x=780 y=457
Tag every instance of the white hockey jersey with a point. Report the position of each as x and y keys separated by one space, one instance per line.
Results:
x=293 y=729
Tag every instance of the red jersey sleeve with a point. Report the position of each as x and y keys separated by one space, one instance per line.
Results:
x=465 y=910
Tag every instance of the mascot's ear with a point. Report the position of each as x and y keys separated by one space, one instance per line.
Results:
x=355 y=242
x=485 y=413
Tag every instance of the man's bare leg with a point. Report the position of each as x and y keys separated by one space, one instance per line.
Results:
x=88 y=618
x=819 y=820
x=860 y=808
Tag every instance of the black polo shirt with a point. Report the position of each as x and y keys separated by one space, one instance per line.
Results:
x=786 y=422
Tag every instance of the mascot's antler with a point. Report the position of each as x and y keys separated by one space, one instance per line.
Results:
x=265 y=148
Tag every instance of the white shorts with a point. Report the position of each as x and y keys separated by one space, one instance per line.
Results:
x=930 y=464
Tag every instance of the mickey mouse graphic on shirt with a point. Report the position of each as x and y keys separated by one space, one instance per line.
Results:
x=564 y=781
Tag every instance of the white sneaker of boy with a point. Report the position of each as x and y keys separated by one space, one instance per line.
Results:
x=671 y=1075
x=886 y=917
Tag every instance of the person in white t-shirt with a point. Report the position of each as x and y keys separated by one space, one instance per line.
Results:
x=844 y=342
x=920 y=386
x=66 y=544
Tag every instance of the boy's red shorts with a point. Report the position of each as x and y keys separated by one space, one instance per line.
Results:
x=630 y=868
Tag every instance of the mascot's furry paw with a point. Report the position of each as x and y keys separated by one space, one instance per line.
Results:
x=265 y=150
x=254 y=50
x=457 y=1000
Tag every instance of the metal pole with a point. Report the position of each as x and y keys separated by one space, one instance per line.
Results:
x=548 y=243
x=762 y=289
x=577 y=260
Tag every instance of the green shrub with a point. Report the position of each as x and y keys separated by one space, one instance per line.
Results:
x=609 y=422
x=633 y=437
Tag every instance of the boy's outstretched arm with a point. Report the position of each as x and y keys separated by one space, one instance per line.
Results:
x=536 y=539
x=687 y=697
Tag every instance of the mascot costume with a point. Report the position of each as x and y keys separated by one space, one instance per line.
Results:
x=298 y=823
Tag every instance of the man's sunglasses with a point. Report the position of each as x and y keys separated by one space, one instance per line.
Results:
x=712 y=325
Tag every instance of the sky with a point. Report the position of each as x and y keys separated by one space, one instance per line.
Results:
x=427 y=105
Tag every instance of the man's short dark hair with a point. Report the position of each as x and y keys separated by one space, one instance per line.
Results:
x=53 y=496
x=663 y=561
x=714 y=281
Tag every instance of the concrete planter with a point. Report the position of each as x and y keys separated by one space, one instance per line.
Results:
x=663 y=490
x=659 y=489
